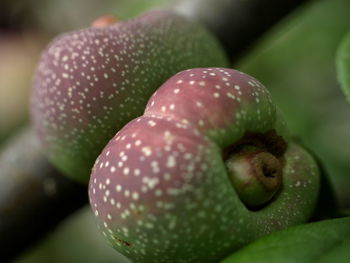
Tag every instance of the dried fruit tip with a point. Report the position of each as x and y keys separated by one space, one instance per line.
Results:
x=104 y=21
x=256 y=176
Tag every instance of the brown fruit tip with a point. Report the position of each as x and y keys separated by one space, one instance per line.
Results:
x=104 y=21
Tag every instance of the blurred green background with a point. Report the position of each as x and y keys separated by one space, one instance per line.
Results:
x=295 y=61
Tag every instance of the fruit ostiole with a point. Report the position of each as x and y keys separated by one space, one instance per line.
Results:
x=208 y=168
x=91 y=82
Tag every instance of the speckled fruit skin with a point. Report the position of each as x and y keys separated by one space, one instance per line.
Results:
x=90 y=83
x=160 y=189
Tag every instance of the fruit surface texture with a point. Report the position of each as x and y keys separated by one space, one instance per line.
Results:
x=90 y=83
x=208 y=168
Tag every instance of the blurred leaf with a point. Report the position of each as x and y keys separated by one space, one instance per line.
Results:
x=67 y=15
x=324 y=241
x=76 y=240
x=343 y=65
x=295 y=61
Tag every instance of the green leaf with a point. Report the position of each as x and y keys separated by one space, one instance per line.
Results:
x=323 y=241
x=343 y=65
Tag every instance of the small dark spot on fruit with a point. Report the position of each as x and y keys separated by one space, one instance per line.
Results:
x=126 y=243
x=137 y=212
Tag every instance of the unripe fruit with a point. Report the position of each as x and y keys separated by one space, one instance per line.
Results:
x=168 y=187
x=90 y=83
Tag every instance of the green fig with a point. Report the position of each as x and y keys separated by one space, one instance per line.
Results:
x=208 y=168
x=90 y=83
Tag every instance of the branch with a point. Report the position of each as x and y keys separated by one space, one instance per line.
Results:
x=34 y=197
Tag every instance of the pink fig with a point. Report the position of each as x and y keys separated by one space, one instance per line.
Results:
x=90 y=83
x=208 y=168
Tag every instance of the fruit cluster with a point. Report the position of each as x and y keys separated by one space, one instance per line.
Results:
x=207 y=168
